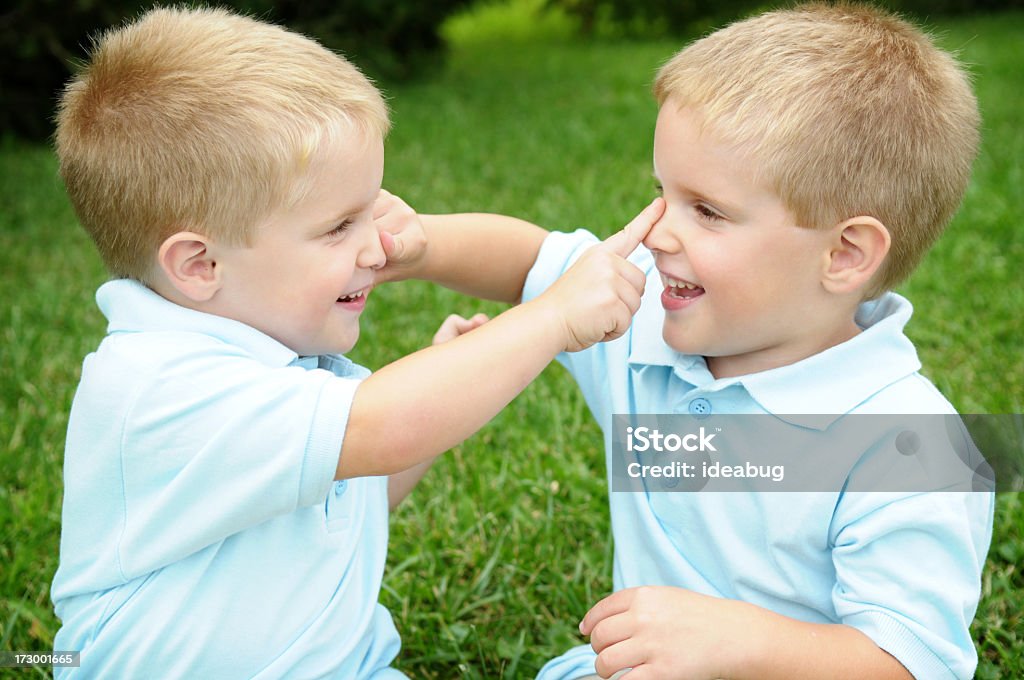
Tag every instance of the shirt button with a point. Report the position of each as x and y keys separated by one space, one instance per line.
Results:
x=339 y=487
x=700 y=407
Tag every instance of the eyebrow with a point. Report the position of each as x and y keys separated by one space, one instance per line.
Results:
x=349 y=212
x=339 y=217
x=727 y=207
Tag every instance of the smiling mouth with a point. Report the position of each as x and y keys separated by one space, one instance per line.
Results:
x=680 y=289
x=353 y=297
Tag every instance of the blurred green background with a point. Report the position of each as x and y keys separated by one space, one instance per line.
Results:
x=537 y=108
x=42 y=40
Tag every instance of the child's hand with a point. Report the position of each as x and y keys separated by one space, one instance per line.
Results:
x=401 y=235
x=664 y=632
x=598 y=296
x=455 y=325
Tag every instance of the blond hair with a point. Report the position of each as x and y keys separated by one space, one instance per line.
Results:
x=843 y=110
x=200 y=120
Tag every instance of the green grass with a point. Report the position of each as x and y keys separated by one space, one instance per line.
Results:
x=506 y=543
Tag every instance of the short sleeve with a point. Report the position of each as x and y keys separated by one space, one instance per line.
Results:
x=557 y=254
x=205 y=457
x=908 y=574
x=599 y=370
x=559 y=251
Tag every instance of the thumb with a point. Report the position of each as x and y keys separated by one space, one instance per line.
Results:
x=624 y=242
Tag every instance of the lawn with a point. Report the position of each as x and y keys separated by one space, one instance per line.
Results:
x=506 y=543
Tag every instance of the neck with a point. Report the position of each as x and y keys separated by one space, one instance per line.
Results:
x=776 y=356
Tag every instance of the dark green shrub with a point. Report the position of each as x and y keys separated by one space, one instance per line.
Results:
x=655 y=17
x=40 y=41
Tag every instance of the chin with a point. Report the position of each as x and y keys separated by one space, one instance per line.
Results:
x=676 y=339
x=346 y=345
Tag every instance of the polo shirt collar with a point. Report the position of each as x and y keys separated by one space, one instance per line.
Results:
x=131 y=307
x=832 y=382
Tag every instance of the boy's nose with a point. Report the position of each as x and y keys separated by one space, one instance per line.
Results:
x=660 y=238
x=372 y=255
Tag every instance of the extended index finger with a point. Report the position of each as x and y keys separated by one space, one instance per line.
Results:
x=625 y=241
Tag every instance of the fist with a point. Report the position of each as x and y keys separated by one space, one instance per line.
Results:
x=401 y=235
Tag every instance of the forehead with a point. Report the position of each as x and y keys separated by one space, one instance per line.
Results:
x=348 y=151
x=692 y=159
x=685 y=147
x=343 y=168
x=340 y=176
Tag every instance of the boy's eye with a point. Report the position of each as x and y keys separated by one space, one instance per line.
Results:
x=340 y=229
x=706 y=212
x=659 y=188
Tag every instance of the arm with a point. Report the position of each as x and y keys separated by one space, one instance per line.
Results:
x=425 y=403
x=479 y=254
x=401 y=483
x=666 y=632
x=883 y=596
x=482 y=255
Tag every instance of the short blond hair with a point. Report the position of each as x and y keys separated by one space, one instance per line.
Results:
x=843 y=110
x=200 y=120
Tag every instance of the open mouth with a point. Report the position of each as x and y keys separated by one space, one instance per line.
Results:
x=680 y=289
x=355 y=296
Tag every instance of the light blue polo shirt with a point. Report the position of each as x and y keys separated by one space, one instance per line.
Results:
x=203 y=533
x=904 y=568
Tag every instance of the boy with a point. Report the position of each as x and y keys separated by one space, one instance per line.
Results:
x=228 y=473
x=808 y=158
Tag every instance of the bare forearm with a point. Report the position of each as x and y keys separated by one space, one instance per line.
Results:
x=427 y=402
x=480 y=254
x=402 y=483
x=788 y=649
x=674 y=632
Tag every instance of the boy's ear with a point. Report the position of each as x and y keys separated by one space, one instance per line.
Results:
x=188 y=263
x=857 y=250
